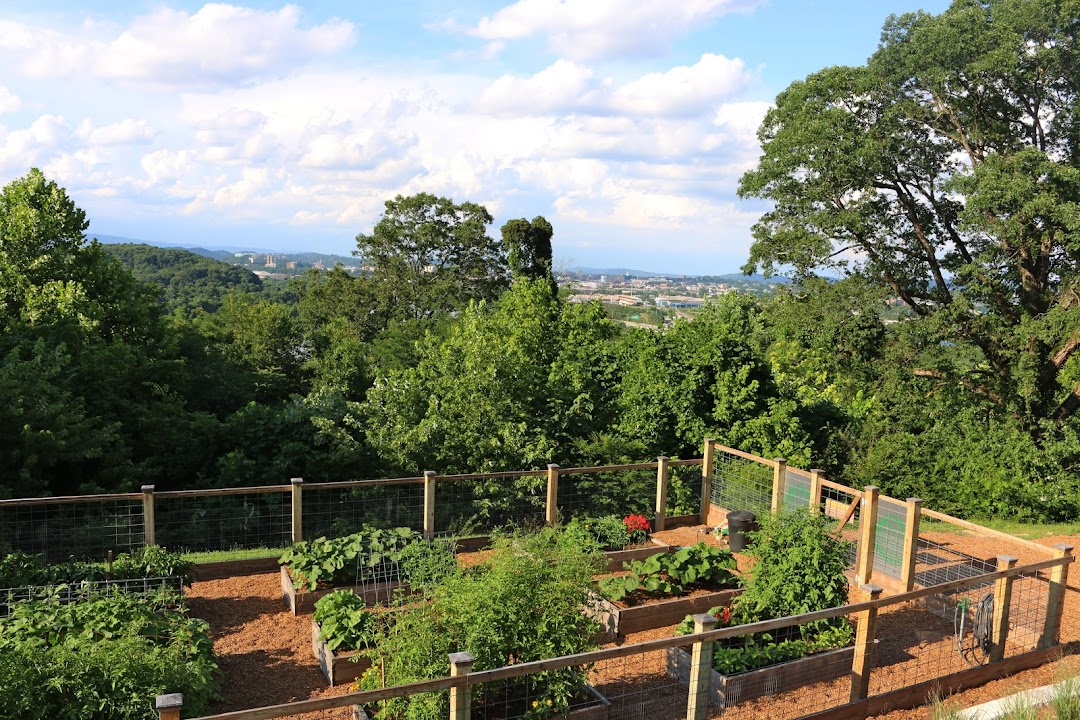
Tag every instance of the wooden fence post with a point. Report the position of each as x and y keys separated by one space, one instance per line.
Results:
x=461 y=663
x=697 y=704
x=663 y=471
x=1055 y=599
x=429 y=504
x=149 y=524
x=553 y=495
x=778 y=481
x=169 y=706
x=864 y=567
x=1002 y=601
x=706 y=481
x=911 y=543
x=297 y=509
x=865 y=632
x=816 y=476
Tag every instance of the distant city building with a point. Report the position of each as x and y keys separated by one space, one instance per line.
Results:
x=678 y=301
x=270 y=261
x=290 y=265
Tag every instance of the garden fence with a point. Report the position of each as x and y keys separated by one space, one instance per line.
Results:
x=904 y=649
x=87 y=589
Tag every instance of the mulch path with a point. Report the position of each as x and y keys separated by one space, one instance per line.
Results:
x=266 y=659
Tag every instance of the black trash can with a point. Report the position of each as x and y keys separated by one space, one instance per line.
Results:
x=739 y=523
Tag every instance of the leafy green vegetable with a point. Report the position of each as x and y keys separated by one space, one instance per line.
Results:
x=673 y=573
x=344 y=621
x=328 y=562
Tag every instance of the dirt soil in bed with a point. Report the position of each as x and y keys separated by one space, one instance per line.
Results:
x=266 y=659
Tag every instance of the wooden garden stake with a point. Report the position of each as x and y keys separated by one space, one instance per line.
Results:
x=297 y=509
x=706 y=480
x=663 y=470
x=779 y=475
x=553 y=494
x=866 y=629
x=1055 y=600
x=149 y=531
x=911 y=543
x=460 y=697
x=429 y=504
x=864 y=569
x=169 y=706
x=816 y=477
x=1002 y=600
x=697 y=705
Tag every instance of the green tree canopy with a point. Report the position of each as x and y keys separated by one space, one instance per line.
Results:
x=428 y=254
x=947 y=169
x=528 y=248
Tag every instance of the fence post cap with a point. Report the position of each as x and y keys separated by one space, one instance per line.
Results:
x=1064 y=547
x=914 y=500
x=871 y=589
x=297 y=481
x=429 y=473
x=704 y=621
x=1007 y=560
x=780 y=460
x=817 y=470
x=553 y=466
x=871 y=488
x=662 y=458
x=148 y=488
x=461 y=658
x=169 y=702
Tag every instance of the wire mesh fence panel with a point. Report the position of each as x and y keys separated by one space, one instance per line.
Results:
x=427 y=704
x=1027 y=613
x=889 y=537
x=796 y=489
x=595 y=494
x=553 y=693
x=804 y=684
x=684 y=490
x=937 y=563
x=741 y=484
x=81 y=591
x=197 y=523
x=843 y=505
x=332 y=510
x=85 y=530
x=640 y=687
x=477 y=506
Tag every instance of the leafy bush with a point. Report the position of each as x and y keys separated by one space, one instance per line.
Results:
x=607 y=532
x=18 y=569
x=344 y=621
x=523 y=603
x=674 y=573
x=798 y=568
x=338 y=561
x=106 y=658
x=426 y=563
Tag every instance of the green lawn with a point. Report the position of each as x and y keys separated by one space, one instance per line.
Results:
x=222 y=555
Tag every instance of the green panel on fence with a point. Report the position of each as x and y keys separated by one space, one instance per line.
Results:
x=796 y=497
x=889 y=553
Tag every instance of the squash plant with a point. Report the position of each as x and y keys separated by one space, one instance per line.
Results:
x=344 y=621
x=345 y=560
x=673 y=573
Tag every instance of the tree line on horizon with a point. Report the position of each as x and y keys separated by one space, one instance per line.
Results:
x=945 y=172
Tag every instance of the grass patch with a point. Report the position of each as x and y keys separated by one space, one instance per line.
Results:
x=238 y=554
x=940 y=710
x=1066 y=698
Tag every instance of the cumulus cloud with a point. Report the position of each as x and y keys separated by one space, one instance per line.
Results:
x=218 y=43
x=562 y=86
x=125 y=132
x=603 y=29
x=683 y=90
x=9 y=102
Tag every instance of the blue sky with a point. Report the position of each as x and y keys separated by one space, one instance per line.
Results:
x=626 y=123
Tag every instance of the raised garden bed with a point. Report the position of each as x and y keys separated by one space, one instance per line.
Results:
x=616 y=558
x=304 y=602
x=728 y=690
x=618 y=620
x=337 y=667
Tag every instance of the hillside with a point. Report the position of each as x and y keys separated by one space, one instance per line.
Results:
x=188 y=282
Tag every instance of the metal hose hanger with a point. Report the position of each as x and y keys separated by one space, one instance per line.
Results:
x=974 y=636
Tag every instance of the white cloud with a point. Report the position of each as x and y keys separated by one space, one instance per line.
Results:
x=562 y=86
x=9 y=102
x=125 y=132
x=22 y=149
x=594 y=29
x=219 y=43
x=683 y=90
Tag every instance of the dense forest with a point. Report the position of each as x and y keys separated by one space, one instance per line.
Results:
x=914 y=183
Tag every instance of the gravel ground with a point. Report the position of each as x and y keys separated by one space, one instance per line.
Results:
x=265 y=652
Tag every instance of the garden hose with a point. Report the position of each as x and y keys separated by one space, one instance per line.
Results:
x=977 y=651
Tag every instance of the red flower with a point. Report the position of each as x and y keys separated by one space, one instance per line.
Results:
x=723 y=615
x=637 y=522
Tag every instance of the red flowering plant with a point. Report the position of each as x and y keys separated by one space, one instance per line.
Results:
x=721 y=613
x=638 y=527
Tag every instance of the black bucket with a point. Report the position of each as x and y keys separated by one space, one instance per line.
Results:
x=739 y=523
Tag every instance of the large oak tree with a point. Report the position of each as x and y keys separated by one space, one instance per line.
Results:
x=947 y=169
